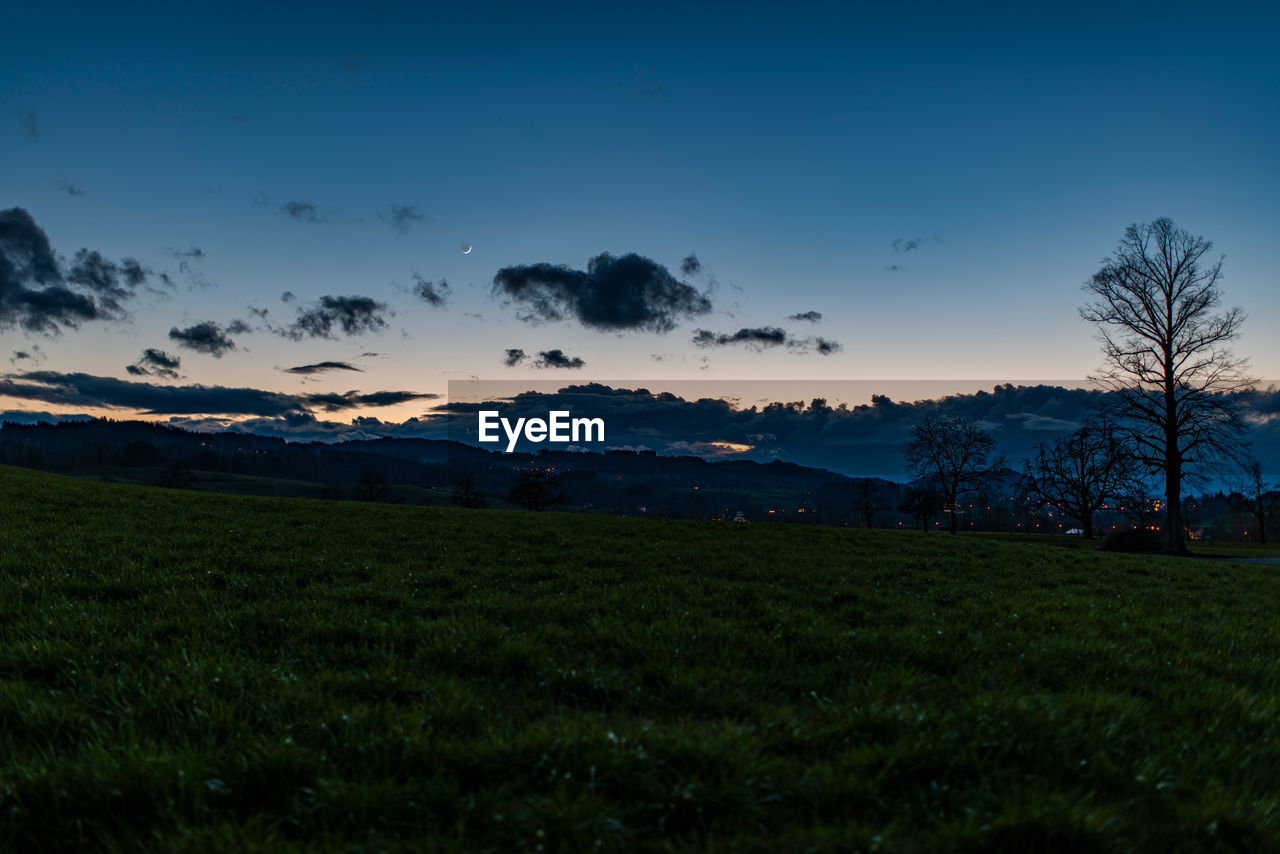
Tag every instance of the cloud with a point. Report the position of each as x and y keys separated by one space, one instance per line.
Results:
x=894 y=268
x=432 y=293
x=557 y=359
x=352 y=315
x=513 y=357
x=208 y=337
x=401 y=217
x=302 y=211
x=27 y=121
x=40 y=294
x=691 y=266
x=78 y=389
x=825 y=347
x=757 y=338
x=906 y=244
x=195 y=253
x=157 y=363
x=323 y=367
x=807 y=316
x=288 y=296
x=69 y=188
x=613 y=294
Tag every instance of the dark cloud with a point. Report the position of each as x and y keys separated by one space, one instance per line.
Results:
x=40 y=294
x=27 y=121
x=432 y=293
x=322 y=367
x=69 y=188
x=691 y=266
x=208 y=337
x=557 y=359
x=351 y=315
x=824 y=347
x=401 y=217
x=513 y=357
x=77 y=389
x=614 y=294
x=758 y=337
x=287 y=296
x=906 y=244
x=195 y=253
x=894 y=268
x=302 y=211
x=157 y=363
x=807 y=316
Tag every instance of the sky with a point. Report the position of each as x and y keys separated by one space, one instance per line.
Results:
x=809 y=191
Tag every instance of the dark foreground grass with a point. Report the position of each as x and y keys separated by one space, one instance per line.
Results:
x=198 y=672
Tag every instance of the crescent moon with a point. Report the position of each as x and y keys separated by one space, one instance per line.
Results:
x=466 y=248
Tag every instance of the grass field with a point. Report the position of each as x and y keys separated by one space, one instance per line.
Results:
x=184 y=671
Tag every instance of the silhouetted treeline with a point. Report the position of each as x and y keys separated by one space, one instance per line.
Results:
x=418 y=471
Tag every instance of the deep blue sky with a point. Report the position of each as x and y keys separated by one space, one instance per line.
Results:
x=787 y=145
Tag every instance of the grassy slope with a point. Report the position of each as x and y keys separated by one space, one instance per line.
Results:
x=193 y=671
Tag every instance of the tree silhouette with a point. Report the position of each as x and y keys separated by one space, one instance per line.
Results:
x=537 y=489
x=868 y=500
x=921 y=502
x=1078 y=473
x=1173 y=380
x=373 y=487
x=954 y=455
x=1257 y=499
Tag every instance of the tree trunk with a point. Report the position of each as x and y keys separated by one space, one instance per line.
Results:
x=1262 y=526
x=1174 y=544
x=1086 y=519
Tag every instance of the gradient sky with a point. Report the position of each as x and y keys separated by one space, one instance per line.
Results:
x=787 y=145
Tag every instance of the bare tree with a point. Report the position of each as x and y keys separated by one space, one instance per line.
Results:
x=1078 y=473
x=1257 y=498
x=869 y=500
x=1175 y=383
x=954 y=455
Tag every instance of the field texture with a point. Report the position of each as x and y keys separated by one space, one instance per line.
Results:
x=199 y=672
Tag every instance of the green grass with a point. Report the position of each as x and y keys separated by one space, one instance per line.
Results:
x=198 y=672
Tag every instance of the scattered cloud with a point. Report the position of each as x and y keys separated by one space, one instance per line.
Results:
x=513 y=357
x=208 y=337
x=32 y=354
x=906 y=244
x=401 y=217
x=826 y=347
x=350 y=315
x=323 y=367
x=625 y=293
x=557 y=359
x=807 y=316
x=894 y=268
x=79 y=389
x=69 y=188
x=157 y=363
x=432 y=293
x=302 y=211
x=691 y=266
x=40 y=293
x=757 y=338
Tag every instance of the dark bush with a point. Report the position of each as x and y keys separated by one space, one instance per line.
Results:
x=1133 y=540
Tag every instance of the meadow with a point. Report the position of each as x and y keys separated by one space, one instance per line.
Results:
x=191 y=672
